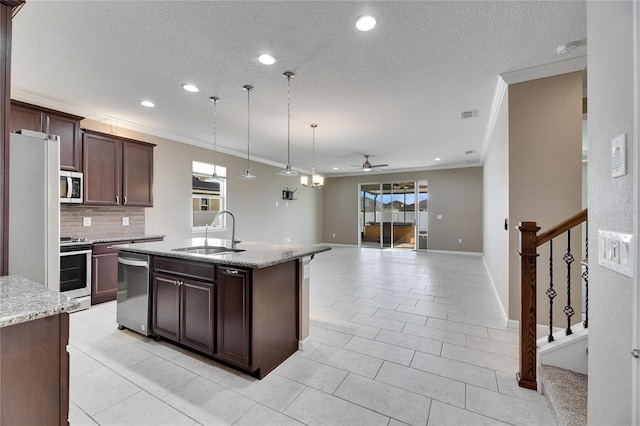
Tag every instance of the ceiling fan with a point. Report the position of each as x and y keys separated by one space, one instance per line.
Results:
x=367 y=166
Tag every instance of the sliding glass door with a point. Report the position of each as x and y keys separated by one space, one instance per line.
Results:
x=387 y=216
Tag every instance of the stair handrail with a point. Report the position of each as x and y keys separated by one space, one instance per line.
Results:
x=530 y=240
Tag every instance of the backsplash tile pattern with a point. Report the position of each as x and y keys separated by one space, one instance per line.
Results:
x=106 y=222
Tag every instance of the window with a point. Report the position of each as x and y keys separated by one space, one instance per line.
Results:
x=208 y=195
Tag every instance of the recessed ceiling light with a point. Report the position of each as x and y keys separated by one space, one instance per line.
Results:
x=266 y=59
x=148 y=104
x=190 y=88
x=365 y=23
x=438 y=159
x=335 y=168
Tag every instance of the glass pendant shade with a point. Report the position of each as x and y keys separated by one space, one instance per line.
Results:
x=248 y=175
x=317 y=181
x=288 y=171
x=215 y=177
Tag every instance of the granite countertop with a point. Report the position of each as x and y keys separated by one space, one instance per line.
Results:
x=23 y=300
x=122 y=238
x=255 y=255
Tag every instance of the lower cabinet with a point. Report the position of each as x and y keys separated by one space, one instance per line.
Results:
x=233 y=317
x=247 y=318
x=183 y=308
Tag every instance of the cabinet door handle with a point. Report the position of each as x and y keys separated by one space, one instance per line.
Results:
x=117 y=200
x=231 y=271
x=124 y=199
x=180 y=282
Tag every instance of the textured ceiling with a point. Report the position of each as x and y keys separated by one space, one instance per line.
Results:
x=395 y=92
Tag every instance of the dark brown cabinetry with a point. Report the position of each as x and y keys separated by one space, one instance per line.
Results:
x=183 y=307
x=104 y=270
x=117 y=171
x=34 y=372
x=67 y=126
x=250 y=315
x=232 y=341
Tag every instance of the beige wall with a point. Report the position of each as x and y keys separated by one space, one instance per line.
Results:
x=545 y=173
x=252 y=202
x=611 y=207
x=496 y=205
x=456 y=194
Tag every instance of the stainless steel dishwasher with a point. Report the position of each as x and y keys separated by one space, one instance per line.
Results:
x=133 y=307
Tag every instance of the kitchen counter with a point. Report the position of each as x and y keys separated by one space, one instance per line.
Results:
x=22 y=300
x=256 y=255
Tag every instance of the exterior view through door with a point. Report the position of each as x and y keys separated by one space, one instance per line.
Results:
x=391 y=214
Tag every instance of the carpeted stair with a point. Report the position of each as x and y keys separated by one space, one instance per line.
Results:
x=567 y=394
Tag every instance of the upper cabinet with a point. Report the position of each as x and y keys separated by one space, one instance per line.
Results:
x=67 y=126
x=117 y=171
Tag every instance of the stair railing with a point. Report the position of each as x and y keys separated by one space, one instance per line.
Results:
x=530 y=240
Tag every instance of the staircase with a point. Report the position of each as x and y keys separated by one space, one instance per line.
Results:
x=566 y=391
x=557 y=362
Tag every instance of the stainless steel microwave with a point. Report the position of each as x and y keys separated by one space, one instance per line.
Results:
x=70 y=187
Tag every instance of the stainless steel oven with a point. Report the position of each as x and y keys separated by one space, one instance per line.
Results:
x=75 y=270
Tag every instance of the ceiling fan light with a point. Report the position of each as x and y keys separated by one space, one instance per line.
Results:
x=304 y=180
x=190 y=88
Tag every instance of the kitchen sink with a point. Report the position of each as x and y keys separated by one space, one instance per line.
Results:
x=208 y=250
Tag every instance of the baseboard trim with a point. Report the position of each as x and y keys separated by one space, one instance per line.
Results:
x=505 y=317
x=462 y=253
x=304 y=344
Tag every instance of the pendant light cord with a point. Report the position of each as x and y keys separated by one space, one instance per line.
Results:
x=215 y=132
x=313 y=151
x=248 y=89
x=288 y=120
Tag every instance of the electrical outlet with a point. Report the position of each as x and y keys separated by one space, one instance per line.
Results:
x=286 y=240
x=125 y=221
x=86 y=221
x=334 y=235
x=459 y=240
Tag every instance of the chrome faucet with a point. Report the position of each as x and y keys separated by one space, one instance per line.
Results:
x=233 y=227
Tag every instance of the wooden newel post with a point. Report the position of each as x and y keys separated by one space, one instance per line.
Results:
x=528 y=319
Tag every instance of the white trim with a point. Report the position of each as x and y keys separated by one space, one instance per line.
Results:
x=496 y=106
x=407 y=170
x=305 y=343
x=578 y=63
x=463 y=253
x=505 y=317
x=339 y=245
x=635 y=369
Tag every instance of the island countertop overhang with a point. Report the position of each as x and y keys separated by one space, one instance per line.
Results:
x=255 y=255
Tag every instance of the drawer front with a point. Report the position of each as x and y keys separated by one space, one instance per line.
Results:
x=106 y=248
x=199 y=270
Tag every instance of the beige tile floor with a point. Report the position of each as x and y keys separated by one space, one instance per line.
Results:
x=399 y=337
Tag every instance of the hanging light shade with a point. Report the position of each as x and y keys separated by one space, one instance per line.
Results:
x=248 y=174
x=316 y=180
x=215 y=177
x=287 y=171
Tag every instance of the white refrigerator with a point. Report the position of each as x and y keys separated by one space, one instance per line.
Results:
x=34 y=207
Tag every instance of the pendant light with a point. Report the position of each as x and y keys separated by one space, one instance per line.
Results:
x=288 y=171
x=317 y=181
x=215 y=177
x=248 y=174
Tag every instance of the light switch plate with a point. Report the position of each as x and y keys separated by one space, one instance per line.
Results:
x=86 y=221
x=616 y=251
x=125 y=221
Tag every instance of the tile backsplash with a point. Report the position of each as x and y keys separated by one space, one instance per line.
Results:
x=106 y=222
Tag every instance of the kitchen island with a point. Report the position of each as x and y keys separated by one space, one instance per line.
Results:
x=34 y=362
x=246 y=305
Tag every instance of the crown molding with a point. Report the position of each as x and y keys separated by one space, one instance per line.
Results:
x=579 y=63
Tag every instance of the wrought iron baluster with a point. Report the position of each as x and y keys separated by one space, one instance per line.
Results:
x=568 y=259
x=551 y=293
x=585 y=277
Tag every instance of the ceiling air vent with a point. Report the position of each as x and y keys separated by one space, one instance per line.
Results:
x=469 y=152
x=468 y=114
